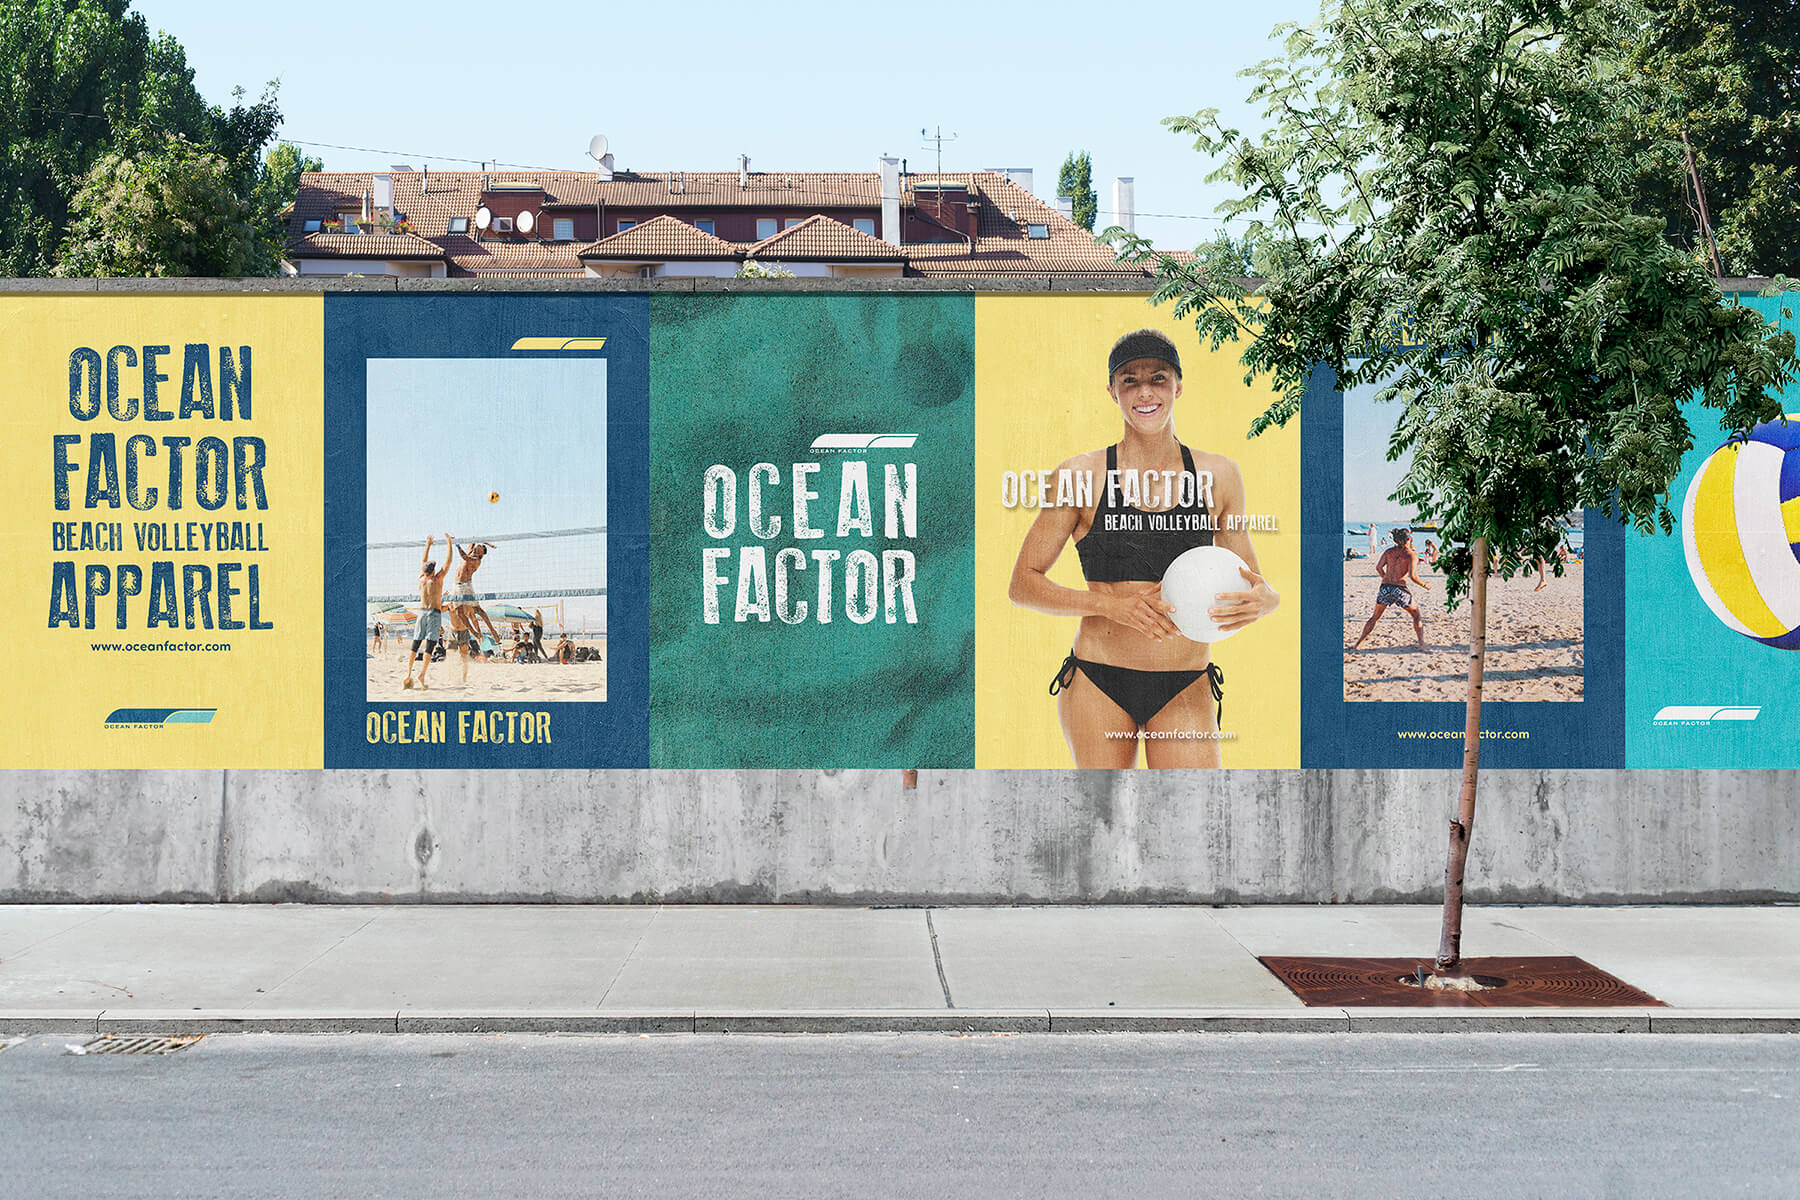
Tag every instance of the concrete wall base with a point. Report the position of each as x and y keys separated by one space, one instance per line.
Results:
x=859 y=837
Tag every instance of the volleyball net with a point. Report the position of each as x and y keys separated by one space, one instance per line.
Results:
x=561 y=572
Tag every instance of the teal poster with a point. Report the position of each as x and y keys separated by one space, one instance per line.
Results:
x=1713 y=623
x=812 y=531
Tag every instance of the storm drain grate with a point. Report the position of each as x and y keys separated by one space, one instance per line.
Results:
x=1533 y=982
x=107 y=1044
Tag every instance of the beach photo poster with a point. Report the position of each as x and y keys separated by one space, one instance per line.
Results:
x=485 y=531
x=1553 y=689
x=1713 y=612
x=1056 y=685
x=812 y=542
x=486 y=551
x=1401 y=641
x=161 y=476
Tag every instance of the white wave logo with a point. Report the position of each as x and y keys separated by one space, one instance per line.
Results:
x=842 y=443
x=1704 y=714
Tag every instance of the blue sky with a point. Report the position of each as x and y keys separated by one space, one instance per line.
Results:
x=796 y=87
x=445 y=432
x=1369 y=478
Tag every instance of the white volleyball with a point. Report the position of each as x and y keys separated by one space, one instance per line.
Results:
x=1193 y=583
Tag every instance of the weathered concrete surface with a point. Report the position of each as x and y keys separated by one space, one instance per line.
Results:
x=859 y=837
x=110 y=835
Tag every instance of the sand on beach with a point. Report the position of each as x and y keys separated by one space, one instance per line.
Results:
x=1534 y=640
x=510 y=683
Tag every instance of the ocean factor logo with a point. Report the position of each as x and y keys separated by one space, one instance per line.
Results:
x=157 y=718
x=1704 y=714
x=853 y=443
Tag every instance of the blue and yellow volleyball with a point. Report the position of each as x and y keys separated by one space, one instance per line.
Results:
x=1740 y=526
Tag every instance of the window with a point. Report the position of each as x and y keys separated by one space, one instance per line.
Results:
x=791 y=222
x=624 y=225
x=704 y=226
x=459 y=224
x=349 y=220
x=562 y=229
x=864 y=225
x=503 y=224
x=765 y=228
x=312 y=227
x=1037 y=231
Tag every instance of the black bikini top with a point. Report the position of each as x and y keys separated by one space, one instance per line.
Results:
x=1127 y=544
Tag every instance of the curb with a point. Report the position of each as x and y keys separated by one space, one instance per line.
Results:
x=1334 y=1020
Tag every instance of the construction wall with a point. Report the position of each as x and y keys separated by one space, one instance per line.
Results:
x=1330 y=794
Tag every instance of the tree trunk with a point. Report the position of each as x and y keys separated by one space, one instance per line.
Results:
x=1449 y=954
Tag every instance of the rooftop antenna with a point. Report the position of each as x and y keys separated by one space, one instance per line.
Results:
x=938 y=138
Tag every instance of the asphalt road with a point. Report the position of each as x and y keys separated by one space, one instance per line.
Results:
x=907 y=1115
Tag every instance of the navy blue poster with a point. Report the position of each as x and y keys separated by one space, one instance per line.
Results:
x=485 y=531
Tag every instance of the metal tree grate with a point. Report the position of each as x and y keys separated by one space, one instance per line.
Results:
x=1535 y=982
x=108 y=1044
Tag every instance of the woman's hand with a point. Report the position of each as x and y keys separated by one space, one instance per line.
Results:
x=1145 y=611
x=1234 y=610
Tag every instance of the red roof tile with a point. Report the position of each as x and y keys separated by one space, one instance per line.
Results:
x=363 y=245
x=821 y=239
x=1002 y=243
x=661 y=238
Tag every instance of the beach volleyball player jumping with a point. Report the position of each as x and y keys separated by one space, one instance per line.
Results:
x=1131 y=675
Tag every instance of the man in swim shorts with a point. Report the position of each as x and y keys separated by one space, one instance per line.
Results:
x=1397 y=565
x=462 y=592
x=429 y=628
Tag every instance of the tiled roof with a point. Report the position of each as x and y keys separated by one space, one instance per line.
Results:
x=1002 y=245
x=661 y=237
x=821 y=239
x=363 y=245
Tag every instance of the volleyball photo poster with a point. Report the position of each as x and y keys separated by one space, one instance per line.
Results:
x=161 y=485
x=811 y=532
x=485 y=531
x=1713 y=631
x=1139 y=552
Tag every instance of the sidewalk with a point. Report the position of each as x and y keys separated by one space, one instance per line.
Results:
x=306 y=968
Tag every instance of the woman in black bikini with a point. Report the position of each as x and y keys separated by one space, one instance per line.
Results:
x=1132 y=676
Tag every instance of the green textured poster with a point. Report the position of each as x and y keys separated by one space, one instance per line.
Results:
x=812 y=531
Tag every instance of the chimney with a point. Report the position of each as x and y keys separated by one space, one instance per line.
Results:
x=743 y=171
x=1017 y=175
x=1124 y=209
x=384 y=193
x=890 y=200
x=1066 y=206
x=425 y=180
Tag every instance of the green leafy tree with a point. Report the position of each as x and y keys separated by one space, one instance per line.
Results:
x=276 y=186
x=167 y=210
x=1076 y=181
x=85 y=78
x=1439 y=206
x=1733 y=68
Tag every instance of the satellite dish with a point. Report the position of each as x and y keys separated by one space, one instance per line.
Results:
x=597 y=147
x=483 y=217
x=525 y=221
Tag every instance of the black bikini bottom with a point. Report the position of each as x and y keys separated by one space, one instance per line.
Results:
x=1142 y=694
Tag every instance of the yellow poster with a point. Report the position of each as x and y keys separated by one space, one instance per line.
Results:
x=1137 y=589
x=162 y=525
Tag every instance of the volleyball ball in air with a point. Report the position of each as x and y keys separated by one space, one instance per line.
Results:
x=1740 y=527
x=493 y=497
x=1192 y=582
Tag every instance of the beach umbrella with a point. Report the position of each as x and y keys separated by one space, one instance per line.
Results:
x=507 y=612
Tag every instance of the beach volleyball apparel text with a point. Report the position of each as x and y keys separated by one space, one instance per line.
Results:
x=802 y=581
x=163 y=434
